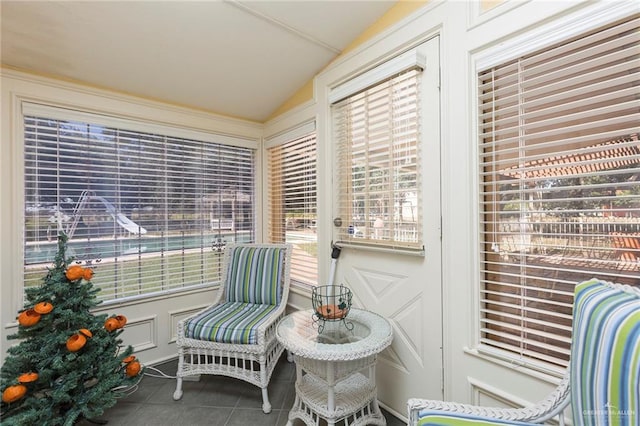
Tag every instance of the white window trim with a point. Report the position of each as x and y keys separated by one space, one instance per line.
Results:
x=283 y=137
x=19 y=88
x=68 y=115
x=412 y=59
x=581 y=21
x=41 y=110
x=561 y=29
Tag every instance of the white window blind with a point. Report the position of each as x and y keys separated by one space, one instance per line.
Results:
x=147 y=211
x=293 y=205
x=377 y=134
x=560 y=194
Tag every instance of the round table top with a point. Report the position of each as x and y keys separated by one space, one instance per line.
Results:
x=371 y=333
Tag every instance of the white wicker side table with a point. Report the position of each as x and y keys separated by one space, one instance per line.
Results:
x=336 y=368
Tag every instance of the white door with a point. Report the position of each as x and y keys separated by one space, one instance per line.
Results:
x=404 y=288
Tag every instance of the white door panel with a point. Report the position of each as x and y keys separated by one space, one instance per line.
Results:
x=407 y=289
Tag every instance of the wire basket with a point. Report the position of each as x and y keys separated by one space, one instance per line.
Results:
x=331 y=303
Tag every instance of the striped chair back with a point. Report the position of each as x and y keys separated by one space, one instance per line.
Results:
x=255 y=274
x=605 y=354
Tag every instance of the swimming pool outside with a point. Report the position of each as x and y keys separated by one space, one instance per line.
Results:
x=105 y=248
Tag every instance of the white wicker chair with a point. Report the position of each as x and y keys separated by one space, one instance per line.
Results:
x=602 y=380
x=235 y=336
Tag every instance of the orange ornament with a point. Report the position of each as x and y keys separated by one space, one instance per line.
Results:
x=28 y=318
x=13 y=393
x=111 y=324
x=43 y=308
x=76 y=342
x=87 y=274
x=28 y=377
x=331 y=312
x=74 y=272
x=86 y=332
x=128 y=359
x=133 y=368
x=122 y=320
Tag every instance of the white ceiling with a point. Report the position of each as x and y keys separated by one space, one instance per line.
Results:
x=238 y=58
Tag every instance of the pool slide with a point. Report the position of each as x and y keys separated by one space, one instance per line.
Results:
x=118 y=217
x=121 y=219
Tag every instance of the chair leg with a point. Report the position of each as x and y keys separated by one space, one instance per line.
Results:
x=266 y=405
x=177 y=394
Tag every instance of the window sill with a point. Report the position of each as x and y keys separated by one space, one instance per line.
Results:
x=540 y=371
x=136 y=300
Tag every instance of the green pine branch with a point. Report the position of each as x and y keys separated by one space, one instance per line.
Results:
x=70 y=385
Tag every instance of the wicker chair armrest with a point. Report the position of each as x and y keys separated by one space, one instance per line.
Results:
x=553 y=405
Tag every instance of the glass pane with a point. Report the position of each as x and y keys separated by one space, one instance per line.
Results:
x=560 y=194
x=378 y=153
x=148 y=212
x=293 y=205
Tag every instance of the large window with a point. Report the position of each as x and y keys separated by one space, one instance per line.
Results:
x=148 y=211
x=560 y=186
x=377 y=135
x=292 y=203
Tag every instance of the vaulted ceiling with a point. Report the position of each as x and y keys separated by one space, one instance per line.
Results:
x=237 y=58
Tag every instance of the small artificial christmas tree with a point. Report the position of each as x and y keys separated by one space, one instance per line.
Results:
x=70 y=363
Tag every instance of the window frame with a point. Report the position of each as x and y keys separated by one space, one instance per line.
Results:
x=301 y=134
x=583 y=22
x=134 y=124
x=386 y=232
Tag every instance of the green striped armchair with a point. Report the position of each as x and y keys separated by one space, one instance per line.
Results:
x=235 y=335
x=603 y=380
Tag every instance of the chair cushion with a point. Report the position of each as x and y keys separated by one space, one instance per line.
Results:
x=605 y=354
x=232 y=322
x=255 y=275
x=429 y=417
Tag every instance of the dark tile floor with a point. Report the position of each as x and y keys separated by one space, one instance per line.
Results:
x=212 y=401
